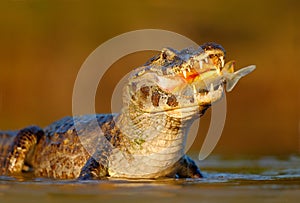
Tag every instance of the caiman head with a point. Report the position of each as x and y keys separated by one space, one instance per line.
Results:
x=183 y=83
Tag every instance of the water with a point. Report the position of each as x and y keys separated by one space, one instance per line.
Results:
x=267 y=179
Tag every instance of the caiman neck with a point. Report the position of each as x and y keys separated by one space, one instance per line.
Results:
x=154 y=143
x=150 y=130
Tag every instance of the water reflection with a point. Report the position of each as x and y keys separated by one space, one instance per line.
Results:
x=215 y=170
x=229 y=180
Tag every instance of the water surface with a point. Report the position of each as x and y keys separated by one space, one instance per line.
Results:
x=267 y=179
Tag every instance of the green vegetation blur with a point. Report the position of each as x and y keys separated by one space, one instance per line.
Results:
x=44 y=43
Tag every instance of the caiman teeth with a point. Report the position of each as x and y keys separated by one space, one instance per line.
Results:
x=222 y=61
x=184 y=73
x=211 y=87
x=206 y=60
x=201 y=64
x=194 y=89
x=220 y=88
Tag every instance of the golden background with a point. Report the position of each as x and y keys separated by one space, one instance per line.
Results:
x=44 y=43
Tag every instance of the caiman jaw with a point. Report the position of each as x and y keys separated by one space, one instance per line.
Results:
x=179 y=81
x=205 y=77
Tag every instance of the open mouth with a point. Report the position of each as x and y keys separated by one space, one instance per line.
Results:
x=204 y=76
x=197 y=80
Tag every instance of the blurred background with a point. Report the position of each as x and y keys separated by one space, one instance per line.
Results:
x=44 y=43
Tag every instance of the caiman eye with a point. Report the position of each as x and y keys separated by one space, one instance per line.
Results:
x=168 y=53
x=164 y=55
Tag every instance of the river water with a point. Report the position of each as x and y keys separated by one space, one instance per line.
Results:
x=259 y=179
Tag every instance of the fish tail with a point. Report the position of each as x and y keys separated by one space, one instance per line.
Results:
x=230 y=83
x=236 y=76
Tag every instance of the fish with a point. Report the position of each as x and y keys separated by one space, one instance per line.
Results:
x=232 y=77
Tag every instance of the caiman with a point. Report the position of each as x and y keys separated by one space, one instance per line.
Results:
x=146 y=139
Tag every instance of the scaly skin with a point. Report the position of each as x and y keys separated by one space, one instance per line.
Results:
x=145 y=140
